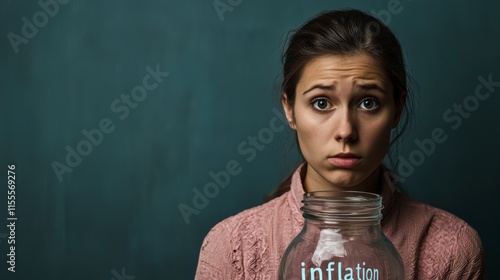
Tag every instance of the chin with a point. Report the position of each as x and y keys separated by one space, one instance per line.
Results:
x=344 y=178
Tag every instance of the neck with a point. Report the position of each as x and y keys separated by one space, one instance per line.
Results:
x=313 y=181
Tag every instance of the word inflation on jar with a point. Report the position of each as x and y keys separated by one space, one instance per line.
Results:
x=358 y=272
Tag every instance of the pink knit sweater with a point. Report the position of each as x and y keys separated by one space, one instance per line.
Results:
x=433 y=243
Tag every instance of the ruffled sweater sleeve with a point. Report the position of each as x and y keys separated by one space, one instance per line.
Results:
x=215 y=255
x=435 y=244
x=466 y=259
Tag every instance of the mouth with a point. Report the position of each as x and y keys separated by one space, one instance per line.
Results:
x=344 y=160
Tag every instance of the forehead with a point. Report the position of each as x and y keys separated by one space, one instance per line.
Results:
x=333 y=69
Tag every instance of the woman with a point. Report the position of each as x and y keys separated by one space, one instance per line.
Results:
x=344 y=91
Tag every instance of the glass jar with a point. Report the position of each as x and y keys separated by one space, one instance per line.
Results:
x=341 y=239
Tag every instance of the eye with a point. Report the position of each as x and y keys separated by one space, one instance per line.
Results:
x=369 y=104
x=321 y=104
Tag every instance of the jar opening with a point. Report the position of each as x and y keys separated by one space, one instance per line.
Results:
x=342 y=206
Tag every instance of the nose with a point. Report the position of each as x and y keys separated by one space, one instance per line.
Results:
x=345 y=131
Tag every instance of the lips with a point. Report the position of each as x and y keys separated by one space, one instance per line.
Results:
x=345 y=160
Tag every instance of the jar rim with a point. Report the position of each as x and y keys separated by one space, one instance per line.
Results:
x=336 y=206
x=343 y=194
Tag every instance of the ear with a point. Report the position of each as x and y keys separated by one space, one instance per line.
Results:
x=288 y=111
x=400 y=105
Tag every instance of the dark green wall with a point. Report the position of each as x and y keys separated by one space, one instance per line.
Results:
x=118 y=207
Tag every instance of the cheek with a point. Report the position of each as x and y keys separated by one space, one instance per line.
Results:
x=310 y=123
x=311 y=131
x=377 y=136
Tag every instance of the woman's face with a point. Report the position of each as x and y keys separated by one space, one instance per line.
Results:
x=343 y=113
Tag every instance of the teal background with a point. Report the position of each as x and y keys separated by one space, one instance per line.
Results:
x=119 y=207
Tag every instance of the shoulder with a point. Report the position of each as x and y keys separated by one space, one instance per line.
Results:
x=249 y=220
x=448 y=245
x=239 y=239
x=437 y=225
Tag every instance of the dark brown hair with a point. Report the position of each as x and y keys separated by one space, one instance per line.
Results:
x=344 y=32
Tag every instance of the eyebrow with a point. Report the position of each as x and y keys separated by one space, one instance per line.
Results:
x=320 y=86
x=370 y=86
x=357 y=86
